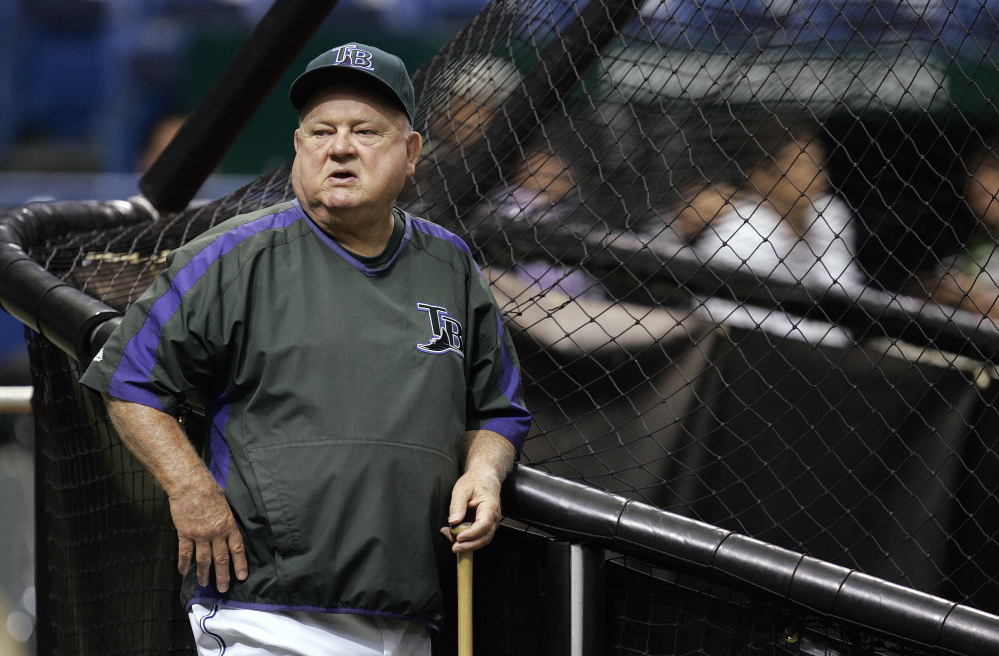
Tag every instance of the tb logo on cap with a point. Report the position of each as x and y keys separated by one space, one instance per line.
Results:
x=351 y=55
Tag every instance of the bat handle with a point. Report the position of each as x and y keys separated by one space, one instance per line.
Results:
x=464 y=596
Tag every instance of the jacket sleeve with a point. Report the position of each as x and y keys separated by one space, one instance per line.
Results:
x=494 y=399
x=163 y=347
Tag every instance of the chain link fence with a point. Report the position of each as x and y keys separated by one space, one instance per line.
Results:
x=746 y=251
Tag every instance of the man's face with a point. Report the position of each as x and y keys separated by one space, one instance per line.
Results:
x=982 y=189
x=353 y=154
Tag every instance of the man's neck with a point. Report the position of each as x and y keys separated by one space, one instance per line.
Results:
x=361 y=235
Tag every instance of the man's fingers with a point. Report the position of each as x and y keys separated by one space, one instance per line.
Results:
x=480 y=533
x=220 y=555
x=209 y=537
x=477 y=543
x=203 y=559
x=477 y=529
x=479 y=494
x=185 y=553
x=486 y=516
x=459 y=505
x=238 y=553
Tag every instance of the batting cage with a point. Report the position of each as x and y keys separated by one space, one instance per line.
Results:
x=746 y=251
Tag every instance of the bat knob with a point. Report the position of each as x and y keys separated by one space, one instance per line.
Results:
x=455 y=530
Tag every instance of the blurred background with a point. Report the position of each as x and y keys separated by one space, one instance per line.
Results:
x=90 y=91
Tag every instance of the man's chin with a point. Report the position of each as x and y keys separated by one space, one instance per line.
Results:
x=339 y=201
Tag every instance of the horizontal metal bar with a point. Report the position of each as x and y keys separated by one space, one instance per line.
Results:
x=579 y=513
x=868 y=312
x=16 y=399
x=48 y=305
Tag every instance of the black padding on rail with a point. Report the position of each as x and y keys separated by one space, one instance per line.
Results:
x=573 y=511
x=594 y=512
x=102 y=332
x=970 y=631
x=757 y=563
x=812 y=582
x=30 y=225
x=64 y=315
x=898 y=610
x=675 y=537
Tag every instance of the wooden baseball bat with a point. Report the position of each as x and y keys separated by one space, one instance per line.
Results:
x=464 y=596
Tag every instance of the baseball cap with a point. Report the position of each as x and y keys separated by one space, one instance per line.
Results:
x=358 y=64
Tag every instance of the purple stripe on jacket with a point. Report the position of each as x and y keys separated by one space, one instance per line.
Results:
x=435 y=230
x=516 y=426
x=218 y=447
x=139 y=355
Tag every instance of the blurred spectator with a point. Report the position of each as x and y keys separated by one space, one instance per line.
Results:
x=471 y=94
x=969 y=280
x=558 y=191
x=764 y=204
x=457 y=104
x=546 y=195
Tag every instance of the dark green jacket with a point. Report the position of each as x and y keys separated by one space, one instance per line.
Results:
x=337 y=399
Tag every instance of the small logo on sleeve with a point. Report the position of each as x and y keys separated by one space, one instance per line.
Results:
x=100 y=355
x=446 y=332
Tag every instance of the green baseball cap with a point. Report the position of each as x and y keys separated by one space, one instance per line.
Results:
x=358 y=64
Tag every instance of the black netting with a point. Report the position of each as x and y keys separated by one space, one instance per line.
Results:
x=106 y=577
x=646 y=612
x=730 y=239
x=661 y=613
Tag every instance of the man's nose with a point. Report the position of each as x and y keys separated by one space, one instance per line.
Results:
x=341 y=144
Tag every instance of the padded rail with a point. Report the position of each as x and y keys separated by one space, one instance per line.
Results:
x=66 y=316
x=78 y=324
x=868 y=312
x=583 y=514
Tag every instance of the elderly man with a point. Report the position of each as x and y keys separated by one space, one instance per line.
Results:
x=360 y=390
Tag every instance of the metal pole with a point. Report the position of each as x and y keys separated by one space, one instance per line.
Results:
x=575 y=584
x=173 y=180
x=16 y=399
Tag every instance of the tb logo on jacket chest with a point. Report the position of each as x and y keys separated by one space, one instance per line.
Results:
x=446 y=333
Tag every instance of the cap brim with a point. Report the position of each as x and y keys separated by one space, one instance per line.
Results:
x=310 y=82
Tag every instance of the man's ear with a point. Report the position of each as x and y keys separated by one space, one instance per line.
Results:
x=298 y=139
x=414 y=144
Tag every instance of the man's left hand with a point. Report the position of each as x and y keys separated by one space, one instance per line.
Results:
x=489 y=457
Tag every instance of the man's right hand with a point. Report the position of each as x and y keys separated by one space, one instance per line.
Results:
x=205 y=525
x=208 y=535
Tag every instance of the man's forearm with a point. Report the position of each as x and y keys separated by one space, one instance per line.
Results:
x=489 y=453
x=488 y=459
x=159 y=443
x=206 y=529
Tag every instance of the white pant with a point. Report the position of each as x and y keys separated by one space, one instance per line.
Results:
x=222 y=631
